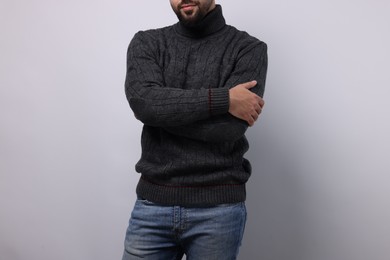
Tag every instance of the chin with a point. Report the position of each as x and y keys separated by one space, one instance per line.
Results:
x=189 y=19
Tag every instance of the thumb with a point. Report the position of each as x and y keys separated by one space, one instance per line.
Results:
x=250 y=84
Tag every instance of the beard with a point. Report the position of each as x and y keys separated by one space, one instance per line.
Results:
x=192 y=17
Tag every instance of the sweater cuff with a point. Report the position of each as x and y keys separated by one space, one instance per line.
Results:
x=218 y=101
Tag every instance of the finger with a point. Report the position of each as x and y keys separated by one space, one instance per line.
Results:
x=258 y=109
x=255 y=116
x=261 y=102
x=250 y=84
x=250 y=121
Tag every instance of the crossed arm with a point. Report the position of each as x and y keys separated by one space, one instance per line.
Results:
x=217 y=114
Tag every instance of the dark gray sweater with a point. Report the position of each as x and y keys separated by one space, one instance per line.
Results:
x=177 y=84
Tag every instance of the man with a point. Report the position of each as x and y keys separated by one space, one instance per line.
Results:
x=196 y=86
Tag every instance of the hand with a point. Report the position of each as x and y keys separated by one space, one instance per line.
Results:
x=245 y=104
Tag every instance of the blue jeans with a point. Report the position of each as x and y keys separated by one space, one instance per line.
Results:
x=168 y=232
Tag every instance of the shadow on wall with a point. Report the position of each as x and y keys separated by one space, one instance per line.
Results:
x=275 y=226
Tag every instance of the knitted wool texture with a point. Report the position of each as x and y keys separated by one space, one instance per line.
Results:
x=177 y=84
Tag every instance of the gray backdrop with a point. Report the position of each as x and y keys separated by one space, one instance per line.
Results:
x=69 y=142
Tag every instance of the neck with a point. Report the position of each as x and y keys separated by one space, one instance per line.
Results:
x=211 y=23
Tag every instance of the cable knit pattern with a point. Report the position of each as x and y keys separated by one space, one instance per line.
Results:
x=177 y=84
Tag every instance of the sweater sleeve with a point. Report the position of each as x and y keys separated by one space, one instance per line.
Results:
x=251 y=64
x=156 y=104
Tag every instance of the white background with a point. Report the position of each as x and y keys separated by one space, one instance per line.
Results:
x=69 y=142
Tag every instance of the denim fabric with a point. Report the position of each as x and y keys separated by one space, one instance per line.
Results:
x=168 y=232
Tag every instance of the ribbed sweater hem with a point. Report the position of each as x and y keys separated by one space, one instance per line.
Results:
x=191 y=196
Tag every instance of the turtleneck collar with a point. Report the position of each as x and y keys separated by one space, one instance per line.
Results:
x=211 y=23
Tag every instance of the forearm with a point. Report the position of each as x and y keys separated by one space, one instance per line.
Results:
x=157 y=104
x=224 y=128
x=174 y=107
x=252 y=65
